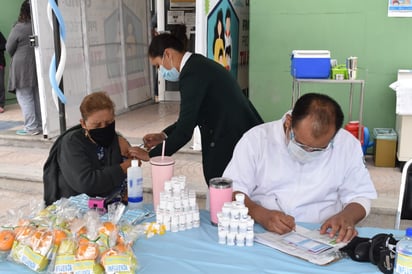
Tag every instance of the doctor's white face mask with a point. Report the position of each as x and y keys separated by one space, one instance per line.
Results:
x=302 y=155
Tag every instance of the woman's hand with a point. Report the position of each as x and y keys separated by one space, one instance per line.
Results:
x=138 y=153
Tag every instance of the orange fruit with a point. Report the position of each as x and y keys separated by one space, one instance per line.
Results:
x=87 y=251
x=59 y=236
x=82 y=231
x=41 y=241
x=107 y=228
x=23 y=232
x=83 y=241
x=121 y=247
x=6 y=240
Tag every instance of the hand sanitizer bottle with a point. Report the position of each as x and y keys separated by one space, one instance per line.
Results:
x=135 y=186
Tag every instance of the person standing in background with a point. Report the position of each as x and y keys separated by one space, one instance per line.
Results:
x=2 y=67
x=22 y=73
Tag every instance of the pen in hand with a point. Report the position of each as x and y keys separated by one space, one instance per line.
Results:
x=282 y=210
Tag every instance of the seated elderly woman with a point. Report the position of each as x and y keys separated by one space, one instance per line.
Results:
x=89 y=158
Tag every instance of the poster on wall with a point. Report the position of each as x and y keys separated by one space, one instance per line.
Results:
x=227 y=38
x=399 y=8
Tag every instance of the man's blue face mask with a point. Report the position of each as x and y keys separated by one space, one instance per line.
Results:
x=169 y=74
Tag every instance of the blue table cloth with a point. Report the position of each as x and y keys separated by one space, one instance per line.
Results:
x=197 y=251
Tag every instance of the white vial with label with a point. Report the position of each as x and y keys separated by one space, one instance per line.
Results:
x=196 y=218
x=222 y=236
x=240 y=197
x=135 y=186
x=240 y=239
x=250 y=235
x=230 y=238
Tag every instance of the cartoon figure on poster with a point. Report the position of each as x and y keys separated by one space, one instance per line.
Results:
x=228 y=40
x=218 y=43
x=223 y=36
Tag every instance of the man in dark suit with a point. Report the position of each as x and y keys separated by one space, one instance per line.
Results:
x=210 y=98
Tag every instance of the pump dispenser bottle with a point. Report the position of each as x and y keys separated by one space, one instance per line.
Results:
x=135 y=186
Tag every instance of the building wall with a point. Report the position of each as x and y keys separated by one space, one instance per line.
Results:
x=346 y=28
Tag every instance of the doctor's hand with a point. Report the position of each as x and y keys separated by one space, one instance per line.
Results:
x=271 y=220
x=139 y=153
x=343 y=224
x=153 y=139
x=274 y=220
x=279 y=222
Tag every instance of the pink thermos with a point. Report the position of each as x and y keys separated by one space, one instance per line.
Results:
x=162 y=170
x=220 y=191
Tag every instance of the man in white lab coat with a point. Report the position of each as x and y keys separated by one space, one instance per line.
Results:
x=304 y=168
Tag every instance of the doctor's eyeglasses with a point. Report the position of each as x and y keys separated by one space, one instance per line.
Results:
x=309 y=148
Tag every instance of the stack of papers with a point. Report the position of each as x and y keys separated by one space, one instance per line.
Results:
x=305 y=244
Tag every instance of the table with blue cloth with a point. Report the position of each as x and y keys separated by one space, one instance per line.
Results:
x=197 y=251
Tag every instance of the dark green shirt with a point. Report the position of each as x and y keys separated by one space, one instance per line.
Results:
x=211 y=99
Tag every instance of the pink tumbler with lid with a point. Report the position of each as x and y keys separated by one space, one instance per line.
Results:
x=220 y=191
x=162 y=170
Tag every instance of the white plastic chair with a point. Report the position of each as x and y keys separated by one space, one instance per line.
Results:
x=402 y=193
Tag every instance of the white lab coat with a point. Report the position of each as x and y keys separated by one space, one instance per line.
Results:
x=262 y=168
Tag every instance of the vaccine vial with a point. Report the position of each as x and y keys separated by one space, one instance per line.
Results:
x=192 y=198
x=189 y=220
x=196 y=219
x=231 y=239
x=174 y=223
x=182 y=180
x=234 y=226
x=225 y=223
x=240 y=239
x=235 y=214
x=244 y=213
x=168 y=186
x=222 y=236
x=226 y=210
x=166 y=221
x=240 y=197
x=250 y=224
x=182 y=222
x=159 y=216
x=250 y=235
x=242 y=226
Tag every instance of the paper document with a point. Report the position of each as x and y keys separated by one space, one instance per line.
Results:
x=305 y=244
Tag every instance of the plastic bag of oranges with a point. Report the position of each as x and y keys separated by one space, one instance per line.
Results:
x=119 y=259
x=32 y=247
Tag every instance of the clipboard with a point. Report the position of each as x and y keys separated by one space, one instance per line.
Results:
x=305 y=244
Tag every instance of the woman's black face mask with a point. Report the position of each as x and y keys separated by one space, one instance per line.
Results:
x=103 y=136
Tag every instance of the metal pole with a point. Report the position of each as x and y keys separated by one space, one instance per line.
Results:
x=57 y=50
